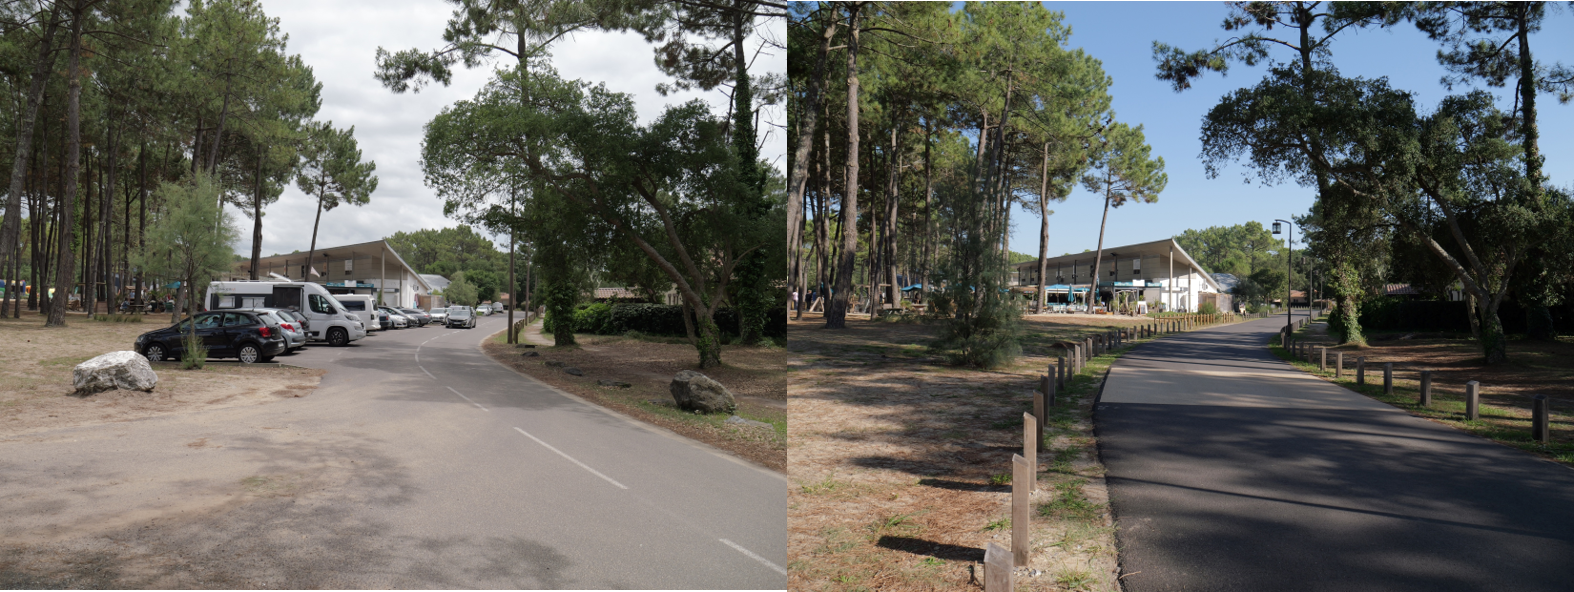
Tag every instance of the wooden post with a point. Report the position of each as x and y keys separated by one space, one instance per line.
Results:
x=1388 y=378
x=997 y=569
x=1039 y=406
x=1540 y=420
x=1323 y=364
x=1021 y=522
x=1338 y=364
x=1360 y=370
x=1472 y=400
x=1426 y=388
x=1060 y=370
x=1030 y=440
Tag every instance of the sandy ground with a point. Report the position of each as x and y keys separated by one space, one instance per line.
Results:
x=897 y=460
x=756 y=377
x=36 y=390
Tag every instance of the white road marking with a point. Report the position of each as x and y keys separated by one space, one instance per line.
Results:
x=754 y=556
x=572 y=460
x=428 y=374
x=462 y=395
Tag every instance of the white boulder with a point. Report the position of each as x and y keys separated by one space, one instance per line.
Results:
x=126 y=370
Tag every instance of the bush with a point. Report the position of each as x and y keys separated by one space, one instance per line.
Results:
x=1208 y=308
x=195 y=355
x=594 y=318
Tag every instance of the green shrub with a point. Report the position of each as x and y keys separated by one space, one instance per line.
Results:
x=1207 y=308
x=195 y=355
x=595 y=317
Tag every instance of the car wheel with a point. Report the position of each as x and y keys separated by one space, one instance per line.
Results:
x=249 y=354
x=338 y=337
x=154 y=353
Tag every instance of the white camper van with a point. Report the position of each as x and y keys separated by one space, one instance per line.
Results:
x=361 y=305
x=328 y=319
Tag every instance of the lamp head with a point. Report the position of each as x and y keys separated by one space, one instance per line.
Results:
x=1276 y=228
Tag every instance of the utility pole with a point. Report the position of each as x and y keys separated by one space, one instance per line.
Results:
x=513 y=294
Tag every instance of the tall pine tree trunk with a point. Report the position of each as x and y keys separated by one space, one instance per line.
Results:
x=836 y=313
x=798 y=180
x=63 y=275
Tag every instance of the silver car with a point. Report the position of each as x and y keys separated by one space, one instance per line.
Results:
x=460 y=316
x=294 y=332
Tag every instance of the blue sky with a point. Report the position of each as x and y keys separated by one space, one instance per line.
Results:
x=1121 y=35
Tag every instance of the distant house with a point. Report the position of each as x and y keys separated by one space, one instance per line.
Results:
x=1405 y=291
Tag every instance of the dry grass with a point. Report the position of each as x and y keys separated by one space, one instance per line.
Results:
x=1534 y=368
x=897 y=460
x=756 y=376
x=35 y=378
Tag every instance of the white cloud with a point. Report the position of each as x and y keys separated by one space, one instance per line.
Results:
x=339 y=40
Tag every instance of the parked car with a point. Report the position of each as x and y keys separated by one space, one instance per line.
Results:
x=329 y=320
x=483 y=310
x=227 y=334
x=399 y=320
x=439 y=314
x=294 y=331
x=461 y=316
x=416 y=315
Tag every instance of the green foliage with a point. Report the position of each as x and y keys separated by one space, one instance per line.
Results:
x=1207 y=308
x=595 y=317
x=192 y=239
x=446 y=251
x=460 y=291
x=194 y=355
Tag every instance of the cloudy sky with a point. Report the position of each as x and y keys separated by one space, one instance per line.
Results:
x=339 y=40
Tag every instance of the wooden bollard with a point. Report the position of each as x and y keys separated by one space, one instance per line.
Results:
x=1426 y=388
x=1338 y=364
x=997 y=569
x=1060 y=371
x=1030 y=440
x=1021 y=488
x=1040 y=405
x=1388 y=378
x=1472 y=400
x=1540 y=419
x=1360 y=370
x=1323 y=364
x=1088 y=351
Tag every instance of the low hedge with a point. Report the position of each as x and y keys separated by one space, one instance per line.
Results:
x=655 y=319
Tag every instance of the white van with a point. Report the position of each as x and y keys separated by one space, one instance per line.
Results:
x=328 y=320
x=361 y=305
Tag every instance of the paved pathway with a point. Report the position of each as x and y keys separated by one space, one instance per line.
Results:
x=419 y=463
x=1229 y=470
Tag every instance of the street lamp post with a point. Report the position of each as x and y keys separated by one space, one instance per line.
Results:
x=1289 y=269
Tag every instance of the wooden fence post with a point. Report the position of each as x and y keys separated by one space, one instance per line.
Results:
x=1060 y=371
x=1472 y=400
x=1426 y=388
x=1323 y=365
x=997 y=569
x=1021 y=521
x=1360 y=370
x=1540 y=420
x=1338 y=364
x=1031 y=436
x=1388 y=378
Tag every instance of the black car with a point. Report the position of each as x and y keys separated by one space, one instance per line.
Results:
x=226 y=334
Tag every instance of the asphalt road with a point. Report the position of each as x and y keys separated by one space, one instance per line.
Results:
x=1229 y=470
x=419 y=463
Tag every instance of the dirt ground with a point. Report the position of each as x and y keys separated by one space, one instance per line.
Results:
x=36 y=390
x=1534 y=368
x=756 y=376
x=899 y=463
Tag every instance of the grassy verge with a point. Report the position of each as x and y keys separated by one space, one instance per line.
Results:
x=1504 y=417
x=755 y=375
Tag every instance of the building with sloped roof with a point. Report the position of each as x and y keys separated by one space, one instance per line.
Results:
x=1159 y=272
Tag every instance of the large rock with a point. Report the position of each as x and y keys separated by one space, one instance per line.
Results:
x=126 y=370
x=697 y=392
